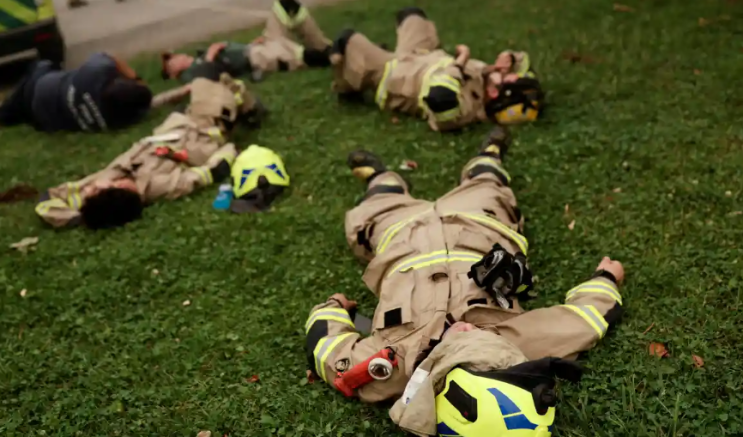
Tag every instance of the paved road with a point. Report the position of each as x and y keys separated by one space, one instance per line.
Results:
x=134 y=26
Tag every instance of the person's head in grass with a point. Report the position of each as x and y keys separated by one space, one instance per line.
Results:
x=110 y=204
x=125 y=102
x=174 y=64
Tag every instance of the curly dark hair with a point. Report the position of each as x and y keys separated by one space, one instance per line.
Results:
x=111 y=208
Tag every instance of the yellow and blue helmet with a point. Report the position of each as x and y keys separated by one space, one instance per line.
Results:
x=258 y=177
x=518 y=102
x=515 y=402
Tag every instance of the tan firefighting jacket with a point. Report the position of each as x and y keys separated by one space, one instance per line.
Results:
x=419 y=253
x=277 y=49
x=198 y=132
x=406 y=82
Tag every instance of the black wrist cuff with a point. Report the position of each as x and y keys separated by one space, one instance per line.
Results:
x=336 y=301
x=604 y=274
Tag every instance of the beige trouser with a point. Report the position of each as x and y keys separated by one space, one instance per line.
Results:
x=278 y=50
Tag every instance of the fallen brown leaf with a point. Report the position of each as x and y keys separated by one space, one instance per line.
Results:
x=204 y=434
x=571 y=226
x=623 y=8
x=25 y=244
x=697 y=72
x=649 y=328
x=658 y=349
x=395 y=120
x=253 y=378
x=698 y=361
x=575 y=58
x=704 y=22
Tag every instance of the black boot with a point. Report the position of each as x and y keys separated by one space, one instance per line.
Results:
x=317 y=58
x=290 y=6
x=341 y=42
x=404 y=13
x=496 y=143
x=365 y=165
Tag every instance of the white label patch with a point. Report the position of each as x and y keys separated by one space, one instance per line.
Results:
x=418 y=378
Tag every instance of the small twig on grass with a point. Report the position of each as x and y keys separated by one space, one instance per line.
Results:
x=649 y=328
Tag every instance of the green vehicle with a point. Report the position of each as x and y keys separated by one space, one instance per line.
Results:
x=27 y=26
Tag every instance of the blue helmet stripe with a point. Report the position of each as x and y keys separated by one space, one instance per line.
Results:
x=276 y=170
x=519 y=422
x=443 y=429
x=245 y=175
x=507 y=406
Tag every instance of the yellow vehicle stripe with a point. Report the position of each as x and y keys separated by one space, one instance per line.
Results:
x=18 y=11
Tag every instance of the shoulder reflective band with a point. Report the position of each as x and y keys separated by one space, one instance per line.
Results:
x=204 y=173
x=509 y=233
x=332 y=314
x=440 y=256
x=323 y=349
x=381 y=97
x=590 y=314
x=43 y=207
x=597 y=287
x=390 y=232
x=73 y=196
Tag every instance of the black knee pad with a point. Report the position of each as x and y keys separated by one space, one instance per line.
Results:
x=340 y=43
x=404 y=13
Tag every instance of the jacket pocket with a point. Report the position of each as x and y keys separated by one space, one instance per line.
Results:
x=394 y=308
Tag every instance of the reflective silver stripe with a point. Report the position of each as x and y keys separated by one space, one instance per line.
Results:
x=434 y=258
x=590 y=314
x=596 y=287
x=322 y=351
x=335 y=314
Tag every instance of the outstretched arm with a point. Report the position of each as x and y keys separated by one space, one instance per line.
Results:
x=564 y=331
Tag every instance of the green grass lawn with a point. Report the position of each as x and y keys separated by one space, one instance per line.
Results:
x=642 y=140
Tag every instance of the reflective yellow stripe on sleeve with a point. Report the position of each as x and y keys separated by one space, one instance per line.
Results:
x=43 y=207
x=381 y=96
x=73 y=196
x=204 y=174
x=322 y=351
x=215 y=134
x=590 y=314
x=598 y=287
x=335 y=314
